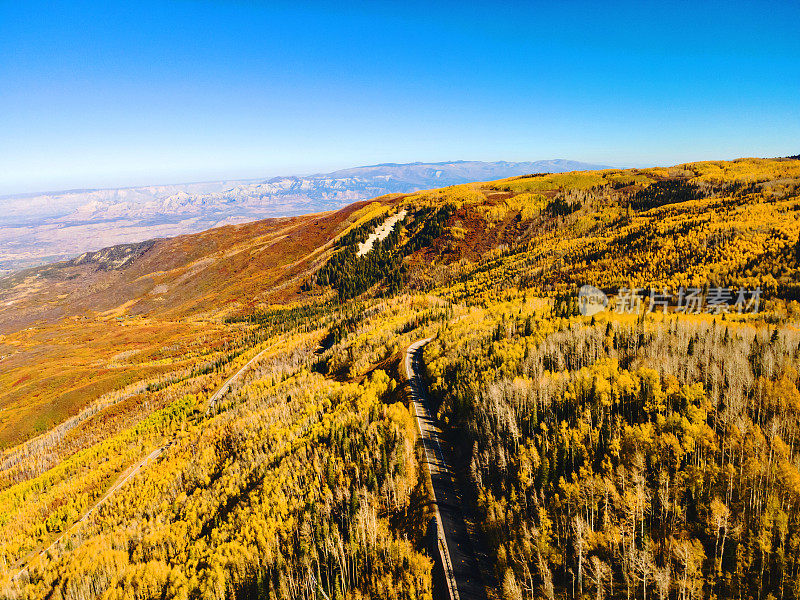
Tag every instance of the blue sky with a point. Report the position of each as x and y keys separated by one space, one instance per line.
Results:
x=122 y=93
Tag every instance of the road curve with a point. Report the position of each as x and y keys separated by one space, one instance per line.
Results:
x=461 y=568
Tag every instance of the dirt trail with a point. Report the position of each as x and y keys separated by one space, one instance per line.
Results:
x=126 y=475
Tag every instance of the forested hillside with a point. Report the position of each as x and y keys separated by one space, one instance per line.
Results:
x=624 y=454
x=626 y=458
x=292 y=478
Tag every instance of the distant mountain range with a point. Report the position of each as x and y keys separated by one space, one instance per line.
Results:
x=45 y=227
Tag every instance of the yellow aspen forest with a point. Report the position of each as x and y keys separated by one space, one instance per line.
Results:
x=399 y=300
x=265 y=437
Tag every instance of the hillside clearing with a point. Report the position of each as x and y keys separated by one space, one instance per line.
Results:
x=380 y=233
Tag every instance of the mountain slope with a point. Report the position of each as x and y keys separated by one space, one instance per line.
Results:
x=40 y=228
x=714 y=224
x=613 y=448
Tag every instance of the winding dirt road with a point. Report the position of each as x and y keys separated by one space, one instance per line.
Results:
x=126 y=475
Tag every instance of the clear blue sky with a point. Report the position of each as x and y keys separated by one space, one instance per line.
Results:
x=121 y=93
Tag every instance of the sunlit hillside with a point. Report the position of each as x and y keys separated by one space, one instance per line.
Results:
x=616 y=455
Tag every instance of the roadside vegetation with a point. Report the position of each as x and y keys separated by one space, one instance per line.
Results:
x=627 y=458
